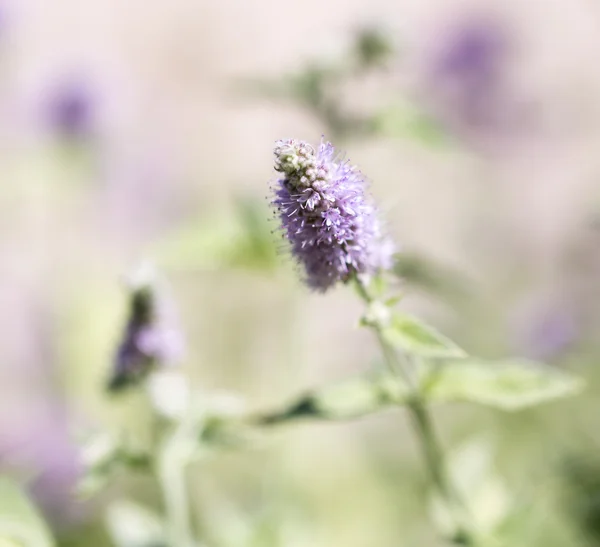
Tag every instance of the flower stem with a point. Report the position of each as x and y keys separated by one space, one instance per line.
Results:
x=434 y=458
x=425 y=431
x=172 y=476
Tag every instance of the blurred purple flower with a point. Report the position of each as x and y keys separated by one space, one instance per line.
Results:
x=71 y=109
x=54 y=487
x=473 y=52
x=547 y=334
x=468 y=68
x=326 y=214
x=39 y=444
x=150 y=339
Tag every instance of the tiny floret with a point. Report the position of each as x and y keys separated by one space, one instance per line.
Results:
x=326 y=214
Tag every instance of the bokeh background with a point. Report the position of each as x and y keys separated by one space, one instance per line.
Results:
x=144 y=131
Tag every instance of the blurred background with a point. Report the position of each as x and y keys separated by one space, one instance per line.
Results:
x=144 y=130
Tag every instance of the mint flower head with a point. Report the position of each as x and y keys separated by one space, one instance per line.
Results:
x=327 y=215
x=150 y=339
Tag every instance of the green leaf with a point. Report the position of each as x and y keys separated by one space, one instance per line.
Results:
x=20 y=522
x=102 y=455
x=169 y=393
x=373 y=47
x=508 y=385
x=350 y=398
x=403 y=119
x=131 y=525
x=485 y=494
x=239 y=239
x=100 y=451
x=412 y=336
x=359 y=396
x=426 y=274
x=259 y=250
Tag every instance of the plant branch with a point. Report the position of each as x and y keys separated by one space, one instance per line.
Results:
x=423 y=426
x=172 y=476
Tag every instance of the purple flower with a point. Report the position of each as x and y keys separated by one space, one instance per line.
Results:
x=473 y=52
x=150 y=339
x=35 y=439
x=548 y=334
x=326 y=214
x=71 y=109
x=469 y=69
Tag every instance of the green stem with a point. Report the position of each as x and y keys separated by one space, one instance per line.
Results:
x=169 y=443
x=423 y=426
x=435 y=461
x=172 y=476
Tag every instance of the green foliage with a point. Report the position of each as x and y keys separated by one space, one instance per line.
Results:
x=20 y=523
x=243 y=240
x=402 y=119
x=506 y=384
x=373 y=48
x=105 y=454
x=424 y=273
x=350 y=398
x=488 y=499
x=409 y=334
x=359 y=396
x=580 y=487
x=446 y=373
x=169 y=394
x=131 y=525
x=318 y=85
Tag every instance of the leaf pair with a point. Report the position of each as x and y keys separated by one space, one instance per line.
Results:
x=508 y=385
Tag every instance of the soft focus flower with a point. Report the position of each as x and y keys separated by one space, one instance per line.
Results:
x=150 y=338
x=468 y=70
x=326 y=214
x=552 y=335
x=472 y=52
x=71 y=109
x=35 y=441
x=546 y=333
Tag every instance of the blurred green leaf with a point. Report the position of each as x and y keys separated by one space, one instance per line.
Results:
x=169 y=394
x=259 y=249
x=487 y=498
x=308 y=86
x=350 y=398
x=214 y=419
x=102 y=455
x=20 y=522
x=402 y=119
x=423 y=272
x=412 y=336
x=359 y=396
x=100 y=451
x=99 y=454
x=131 y=525
x=508 y=385
x=242 y=240
x=378 y=286
x=373 y=47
